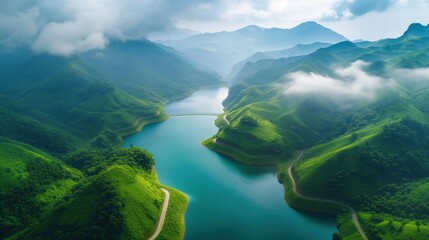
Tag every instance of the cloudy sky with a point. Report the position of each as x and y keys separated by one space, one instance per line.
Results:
x=69 y=26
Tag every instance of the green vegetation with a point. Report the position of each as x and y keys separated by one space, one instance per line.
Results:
x=31 y=183
x=17 y=123
x=73 y=97
x=346 y=227
x=381 y=226
x=62 y=119
x=370 y=153
x=139 y=68
x=241 y=156
x=120 y=198
x=298 y=202
x=175 y=219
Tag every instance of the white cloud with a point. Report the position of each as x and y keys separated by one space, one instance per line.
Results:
x=357 y=19
x=372 y=26
x=90 y=24
x=20 y=28
x=418 y=74
x=354 y=8
x=353 y=82
x=92 y=21
x=81 y=24
x=65 y=27
x=267 y=13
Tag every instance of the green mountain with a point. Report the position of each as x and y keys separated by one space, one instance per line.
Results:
x=62 y=176
x=220 y=51
x=149 y=71
x=117 y=197
x=417 y=30
x=74 y=97
x=31 y=183
x=298 y=50
x=20 y=123
x=360 y=111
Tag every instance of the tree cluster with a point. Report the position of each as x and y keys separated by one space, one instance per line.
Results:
x=92 y=161
x=19 y=206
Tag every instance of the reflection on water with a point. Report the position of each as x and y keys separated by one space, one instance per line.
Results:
x=204 y=102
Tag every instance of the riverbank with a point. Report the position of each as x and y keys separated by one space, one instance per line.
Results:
x=223 y=193
x=244 y=158
x=291 y=192
x=340 y=206
x=174 y=223
x=162 y=115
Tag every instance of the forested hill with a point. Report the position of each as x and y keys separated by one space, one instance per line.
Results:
x=62 y=121
x=360 y=110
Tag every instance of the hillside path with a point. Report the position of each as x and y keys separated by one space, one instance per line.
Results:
x=163 y=214
x=296 y=191
x=226 y=120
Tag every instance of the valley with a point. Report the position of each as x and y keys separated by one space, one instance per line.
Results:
x=214 y=119
x=222 y=193
x=363 y=138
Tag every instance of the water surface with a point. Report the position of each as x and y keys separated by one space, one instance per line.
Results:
x=207 y=101
x=227 y=200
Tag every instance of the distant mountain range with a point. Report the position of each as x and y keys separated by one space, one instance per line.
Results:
x=221 y=50
x=172 y=34
x=298 y=50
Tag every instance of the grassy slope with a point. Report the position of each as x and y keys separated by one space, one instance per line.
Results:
x=174 y=225
x=21 y=166
x=141 y=201
x=13 y=160
x=60 y=98
x=324 y=160
x=15 y=156
x=139 y=67
x=20 y=123
x=335 y=152
x=76 y=98
x=52 y=102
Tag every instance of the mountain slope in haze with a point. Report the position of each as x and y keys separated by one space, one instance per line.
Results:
x=417 y=30
x=75 y=97
x=148 y=71
x=298 y=50
x=172 y=34
x=220 y=51
x=360 y=110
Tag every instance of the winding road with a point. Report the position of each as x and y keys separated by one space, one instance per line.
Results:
x=163 y=214
x=296 y=191
x=226 y=120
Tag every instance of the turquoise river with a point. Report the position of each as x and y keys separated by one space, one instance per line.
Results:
x=228 y=200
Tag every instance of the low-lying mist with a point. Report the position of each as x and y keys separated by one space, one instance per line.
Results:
x=418 y=74
x=352 y=83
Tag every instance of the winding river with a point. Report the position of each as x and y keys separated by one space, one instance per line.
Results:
x=228 y=200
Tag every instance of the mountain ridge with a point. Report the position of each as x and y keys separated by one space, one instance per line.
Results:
x=219 y=51
x=361 y=149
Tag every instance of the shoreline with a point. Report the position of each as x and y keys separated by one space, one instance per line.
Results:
x=252 y=160
x=292 y=196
